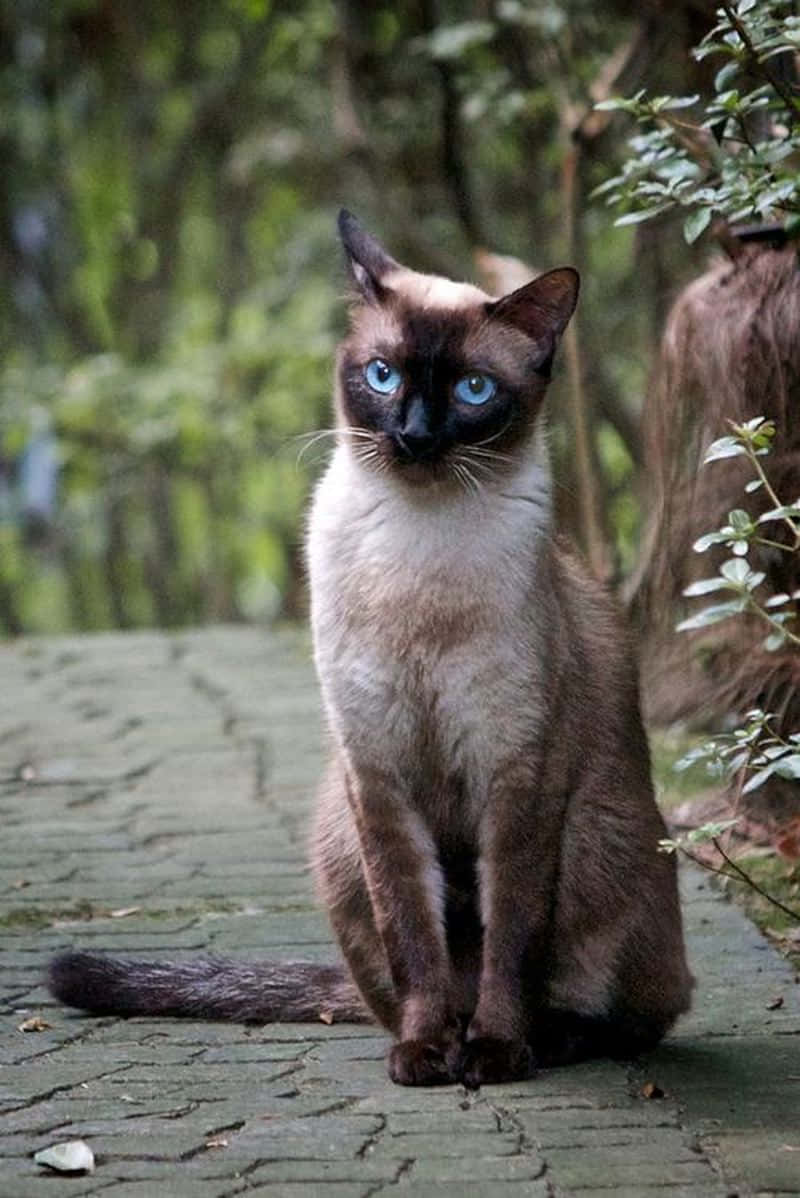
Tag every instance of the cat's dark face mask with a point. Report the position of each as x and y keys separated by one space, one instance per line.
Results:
x=437 y=380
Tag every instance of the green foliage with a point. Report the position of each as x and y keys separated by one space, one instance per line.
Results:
x=167 y=210
x=754 y=751
x=741 y=533
x=169 y=314
x=733 y=156
x=167 y=202
x=181 y=490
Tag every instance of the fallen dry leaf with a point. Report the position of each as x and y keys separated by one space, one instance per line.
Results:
x=73 y=1156
x=788 y=841
x=775 y=1003
x=651 y=1090
x=34 y=1024
x=326 y=1017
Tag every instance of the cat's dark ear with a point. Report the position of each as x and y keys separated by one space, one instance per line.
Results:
x=367 y=261
x=541 y=309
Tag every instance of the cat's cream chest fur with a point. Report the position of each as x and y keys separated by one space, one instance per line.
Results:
x=418 y=601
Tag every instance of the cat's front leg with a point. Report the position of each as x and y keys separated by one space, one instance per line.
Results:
x=517 y=872
x=405 y=885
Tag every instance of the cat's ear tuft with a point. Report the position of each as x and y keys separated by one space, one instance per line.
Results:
x=542 y=308
x=368 y=263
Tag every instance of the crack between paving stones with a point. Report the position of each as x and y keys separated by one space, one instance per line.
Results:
x=87 y=800
x=373 y=1137
x=83 y=1034
x=231 y=719
x=212 y=1133
x=36 y=783
x=132 y=724
x=219 y=699
x=404 y=1167
x=46 y=1095
x=525 y=1146
x=243 y=1174
x=263 y=760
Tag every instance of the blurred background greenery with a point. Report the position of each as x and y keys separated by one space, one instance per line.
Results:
x=171 y=172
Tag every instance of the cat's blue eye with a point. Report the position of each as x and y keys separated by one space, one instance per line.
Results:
x=382 y=377
x=475 y=388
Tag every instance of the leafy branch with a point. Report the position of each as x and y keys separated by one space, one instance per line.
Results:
x=750 y=440
x=731 y=869
x=756 y=750
x=733 y=157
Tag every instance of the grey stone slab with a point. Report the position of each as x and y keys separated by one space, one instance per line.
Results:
x=527 y=1166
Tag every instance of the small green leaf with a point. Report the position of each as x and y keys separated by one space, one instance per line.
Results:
x=672 y=102
x=725 y=447
x=709 y=539
x=706 y=585
x=789 y=766
x=642 y=214
x=695 y=224
x=712 y=615
x=759 y=779
x=710 y=831
x=735 y=570
x=726 y=75
x=787 y=511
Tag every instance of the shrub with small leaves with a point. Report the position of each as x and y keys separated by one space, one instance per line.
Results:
x=758 y=749
x=735 y=579
x=733 y=156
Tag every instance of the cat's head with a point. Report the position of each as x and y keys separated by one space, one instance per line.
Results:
x=438 y=380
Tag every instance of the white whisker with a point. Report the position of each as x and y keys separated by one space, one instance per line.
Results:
x=474 y=451
x=319 y=435
x=494 y=437
x=465 y=476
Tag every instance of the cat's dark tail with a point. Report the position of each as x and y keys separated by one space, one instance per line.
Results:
x=207 y=988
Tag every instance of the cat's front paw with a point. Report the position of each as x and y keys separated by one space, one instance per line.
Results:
x=419 y=1063
x=487 y=1060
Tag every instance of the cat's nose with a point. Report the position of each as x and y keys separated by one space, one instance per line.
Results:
x=415 y=436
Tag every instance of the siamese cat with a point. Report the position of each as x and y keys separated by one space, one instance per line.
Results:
x=486 y=841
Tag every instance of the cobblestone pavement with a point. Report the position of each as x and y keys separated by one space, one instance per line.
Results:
x=154 y=796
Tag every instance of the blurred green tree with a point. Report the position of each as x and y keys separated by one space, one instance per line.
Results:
x=171 y=175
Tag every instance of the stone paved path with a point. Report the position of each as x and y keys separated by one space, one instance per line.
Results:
x=170 y=777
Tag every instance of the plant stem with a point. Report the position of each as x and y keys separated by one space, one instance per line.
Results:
x=785 y=93
x=757 y=610
x=745 y=877
x=773 y=544
x=753 y=456
x=739 y=875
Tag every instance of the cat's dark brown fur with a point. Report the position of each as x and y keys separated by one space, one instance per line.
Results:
x=487 y=839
